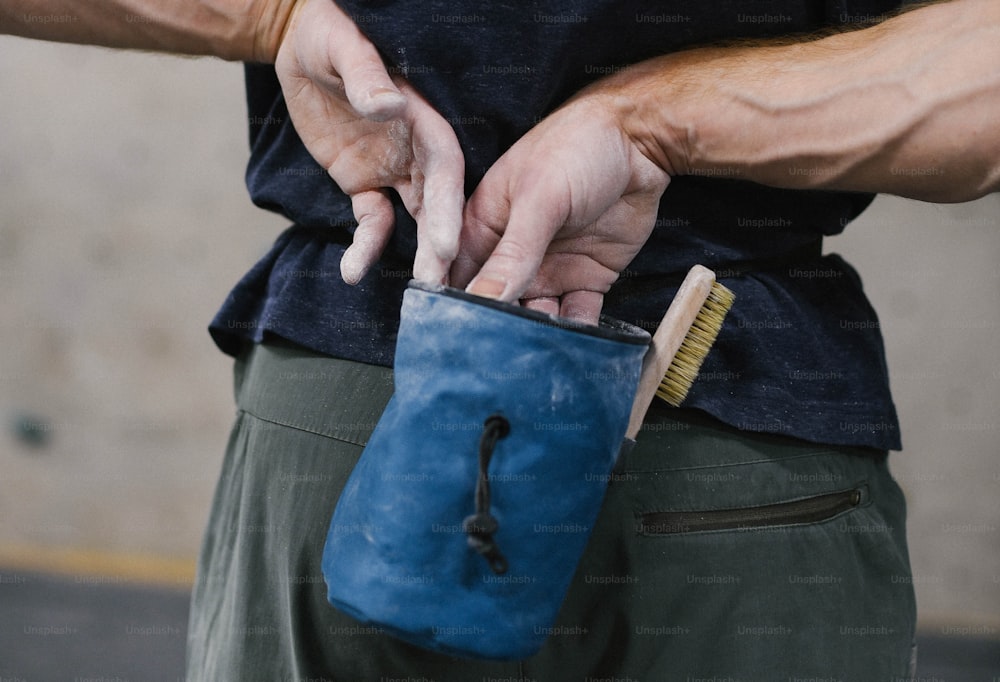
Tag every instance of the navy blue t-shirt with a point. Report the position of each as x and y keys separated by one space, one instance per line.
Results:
x=800 y=353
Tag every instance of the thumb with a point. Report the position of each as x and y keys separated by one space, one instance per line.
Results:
x=367 y=83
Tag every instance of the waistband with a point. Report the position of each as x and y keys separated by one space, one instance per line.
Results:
x=343 y=399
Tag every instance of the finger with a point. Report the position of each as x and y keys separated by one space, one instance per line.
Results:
x=543 y=304
x=582 y=305
x=438 y=229
x=478 y=238
x=374 y=213
x=333 y=52
x=367 y=84
x=535 y=216
x=439 y=218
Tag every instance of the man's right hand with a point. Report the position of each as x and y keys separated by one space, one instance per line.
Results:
x=372 y=133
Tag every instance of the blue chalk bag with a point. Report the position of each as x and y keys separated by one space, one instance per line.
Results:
x=462 y=524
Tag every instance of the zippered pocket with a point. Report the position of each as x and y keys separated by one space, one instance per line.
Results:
x=797 y=512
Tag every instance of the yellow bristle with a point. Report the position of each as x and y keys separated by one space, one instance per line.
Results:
x=697 y=343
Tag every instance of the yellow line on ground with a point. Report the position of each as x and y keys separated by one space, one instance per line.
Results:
x=100 y=567
x=974 y=624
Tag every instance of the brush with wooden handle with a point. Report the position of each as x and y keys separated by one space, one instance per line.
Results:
x=681 y=343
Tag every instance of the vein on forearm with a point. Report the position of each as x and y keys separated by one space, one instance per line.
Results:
x=902 y=107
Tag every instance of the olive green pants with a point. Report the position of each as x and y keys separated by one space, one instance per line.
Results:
x=718 y=555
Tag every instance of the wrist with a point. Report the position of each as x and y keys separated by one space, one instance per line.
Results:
x=652 y=102
x=269 y=28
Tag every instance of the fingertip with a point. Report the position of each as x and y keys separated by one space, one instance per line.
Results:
x=543 y=304
x=583 y=306
x=488 y=286
x=353 y=266
x=428 y=269
x=373 y=211
x=367 y=84
x=438 y=231
x=382 y=103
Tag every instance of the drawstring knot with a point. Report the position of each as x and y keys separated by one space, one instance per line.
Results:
x=481 y=526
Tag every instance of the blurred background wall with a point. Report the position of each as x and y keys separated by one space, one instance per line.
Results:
x=124 y=222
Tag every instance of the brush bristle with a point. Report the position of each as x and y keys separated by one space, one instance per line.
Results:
x=697 y=343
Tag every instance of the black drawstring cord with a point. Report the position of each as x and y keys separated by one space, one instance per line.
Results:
x=481 y=526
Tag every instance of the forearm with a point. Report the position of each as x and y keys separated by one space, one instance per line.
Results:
x=248 y=30
x=907 y=107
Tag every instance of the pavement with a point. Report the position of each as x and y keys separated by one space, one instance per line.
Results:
x=63 y=629
x=60 y=629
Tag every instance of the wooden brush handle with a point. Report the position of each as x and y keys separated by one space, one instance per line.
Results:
x=668 y=338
